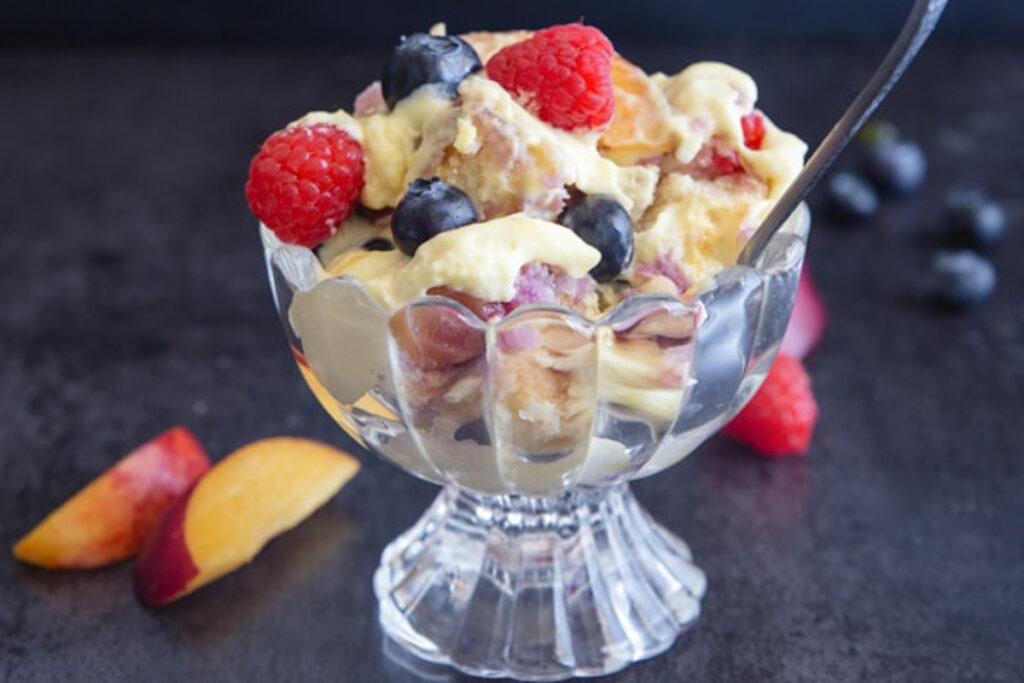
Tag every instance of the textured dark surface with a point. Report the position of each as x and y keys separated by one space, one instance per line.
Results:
x=134 y=298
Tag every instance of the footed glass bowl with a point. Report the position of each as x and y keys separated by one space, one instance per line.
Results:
x=536 y=561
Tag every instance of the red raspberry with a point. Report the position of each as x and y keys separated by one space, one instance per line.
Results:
x=780 y=418
x=304 y=181
x=562 y=74
x=753 y=130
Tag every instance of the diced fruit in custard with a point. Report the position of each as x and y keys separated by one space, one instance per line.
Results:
x=780 y=418
x=432 y=336
x=725 y=161
x=108 y=520
x=562 y=74
x=304 y=181
x=753 y=130
x=422 y=59
x=604 y=224
x=540 y=283
x=428 y=208
x=714 y=160
x=254 y=494
x=638 y=129
x=485 y=310
x=808 y=320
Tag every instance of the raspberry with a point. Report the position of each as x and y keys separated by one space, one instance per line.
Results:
x=562 y=74
x=780 y=418
x=753 y=130
x=304 y=181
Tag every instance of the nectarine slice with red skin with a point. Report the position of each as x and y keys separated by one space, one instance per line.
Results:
x=254 y=494
x=108 y=520
x=808 y=321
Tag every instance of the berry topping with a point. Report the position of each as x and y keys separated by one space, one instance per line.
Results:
x=753 y=130
x=962 y=279
x=898 y=168
x=604 y=224
x=973 y=219
x=304 y=181
x=428 y=208
x=422 y=59
x=562 y=74
x=378 y=244
x=851 y=198
x=780 y=417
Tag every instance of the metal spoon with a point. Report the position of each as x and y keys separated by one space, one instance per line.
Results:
x=923 y=16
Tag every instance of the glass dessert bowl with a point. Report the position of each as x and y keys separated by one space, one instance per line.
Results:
x=536 y=561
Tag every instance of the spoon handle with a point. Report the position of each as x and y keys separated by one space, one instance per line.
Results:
x=923 y=16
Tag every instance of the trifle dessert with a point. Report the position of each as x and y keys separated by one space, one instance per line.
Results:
x=511 y=270
x=492 y=173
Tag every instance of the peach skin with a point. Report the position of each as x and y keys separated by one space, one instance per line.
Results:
x=254 y=494
x=108 y=520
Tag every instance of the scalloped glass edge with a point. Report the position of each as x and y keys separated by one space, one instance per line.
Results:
x=742 y=307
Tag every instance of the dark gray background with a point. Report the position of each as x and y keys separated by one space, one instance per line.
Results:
x=340 y=23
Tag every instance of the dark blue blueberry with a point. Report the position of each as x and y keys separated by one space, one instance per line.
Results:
x=973 y=219
x=428 y=208
x=850 y=197
x=898 y=168
x=601 y=222
x=378 y=244
x=420 y=59
x=962 y=279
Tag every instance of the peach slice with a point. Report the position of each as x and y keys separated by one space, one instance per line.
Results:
x=108 y=520
x=254 y=494
x=639 y=129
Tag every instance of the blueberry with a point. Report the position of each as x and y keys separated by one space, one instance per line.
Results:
x=428 y=208
x=962 y=279
x=378 y=244
x=973 y=219
x=850 y=197
x=898 y=168
x=421 y=59
x=601 y=222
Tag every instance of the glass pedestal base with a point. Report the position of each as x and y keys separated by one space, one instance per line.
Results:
x=582 y=584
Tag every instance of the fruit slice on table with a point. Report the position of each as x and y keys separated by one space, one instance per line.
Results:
x=108 y=520
x=808 y=320
x=254 y=494
x=780 y=418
